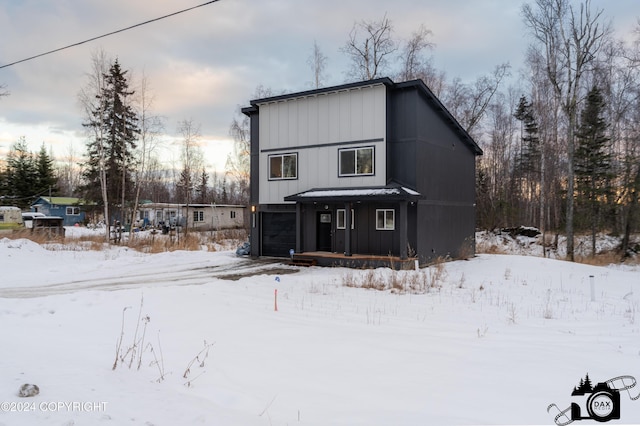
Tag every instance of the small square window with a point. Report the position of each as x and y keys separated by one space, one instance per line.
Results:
x=385 y=219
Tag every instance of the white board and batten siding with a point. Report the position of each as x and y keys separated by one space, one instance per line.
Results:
x=315 y=128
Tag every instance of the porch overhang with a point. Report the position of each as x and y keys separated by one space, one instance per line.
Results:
x=381 y=193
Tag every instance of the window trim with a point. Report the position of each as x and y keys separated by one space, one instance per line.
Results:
x=72 y=209
x=355 y=165
x=343 y=213
x=393 y=218
x=282 y=156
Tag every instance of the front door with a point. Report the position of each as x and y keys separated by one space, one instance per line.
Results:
x=323 y=231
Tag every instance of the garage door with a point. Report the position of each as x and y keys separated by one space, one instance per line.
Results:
x=278 y=234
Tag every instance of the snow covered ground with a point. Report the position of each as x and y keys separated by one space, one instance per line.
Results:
x=492 y=340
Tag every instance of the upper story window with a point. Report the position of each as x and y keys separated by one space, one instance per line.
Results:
x=73 y=211
x=283 y=166
x=356 y=161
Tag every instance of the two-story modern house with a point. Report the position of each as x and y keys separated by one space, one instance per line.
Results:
x=373 y=168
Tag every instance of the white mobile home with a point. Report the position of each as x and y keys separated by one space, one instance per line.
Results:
x=10 y=218
x=202 y=217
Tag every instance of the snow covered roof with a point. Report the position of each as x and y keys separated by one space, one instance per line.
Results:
x=355 y=194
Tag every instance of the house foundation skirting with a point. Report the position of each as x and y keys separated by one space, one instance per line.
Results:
x=365 y=261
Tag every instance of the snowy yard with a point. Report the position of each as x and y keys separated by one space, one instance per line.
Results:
x=492 y=340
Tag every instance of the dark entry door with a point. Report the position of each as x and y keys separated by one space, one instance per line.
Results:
x=323 y=231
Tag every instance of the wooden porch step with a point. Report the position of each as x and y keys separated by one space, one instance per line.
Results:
x=303 y=262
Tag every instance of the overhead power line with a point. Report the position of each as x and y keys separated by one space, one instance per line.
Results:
x=108 y=34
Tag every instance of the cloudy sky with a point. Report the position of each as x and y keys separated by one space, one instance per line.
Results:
x=203 y=64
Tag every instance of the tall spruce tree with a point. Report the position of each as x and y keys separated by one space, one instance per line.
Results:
x=202 y=191
x=21 y=178
x=529 y=161
x=110 y=152
x=530 y=165
x=592 y=163
x=46 y=179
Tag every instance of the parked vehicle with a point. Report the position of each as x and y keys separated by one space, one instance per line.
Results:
x=10 y=219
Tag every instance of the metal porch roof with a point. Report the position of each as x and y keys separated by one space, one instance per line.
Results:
x=380 y=193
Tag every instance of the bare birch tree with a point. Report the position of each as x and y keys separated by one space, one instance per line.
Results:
x=238 y=165
x=369 y=47
x=192 y=159
x=469 y=103
x=69 y=172
x=318 y=64
x=89 y=101
x=150 y=128
x=413 y=62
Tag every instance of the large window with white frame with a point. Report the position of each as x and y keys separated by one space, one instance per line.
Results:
x=283 y=166
x=385 y=219
x=356 y=161
x=341 y=219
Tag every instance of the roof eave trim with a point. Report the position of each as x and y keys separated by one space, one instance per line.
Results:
x=383 y=80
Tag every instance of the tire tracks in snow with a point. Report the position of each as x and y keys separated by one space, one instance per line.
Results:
x=157 y=278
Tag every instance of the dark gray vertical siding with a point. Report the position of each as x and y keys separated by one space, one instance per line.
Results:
x=429 y=156
x=443 y=230
x=254 y=196
x=338 y=241
x=366 y=239
x=401 y=139
x=360 y=241
x=308 y=227
x=384 y=242
x=412 y=229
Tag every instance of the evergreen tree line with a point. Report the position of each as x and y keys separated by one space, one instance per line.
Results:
x=26 y=176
